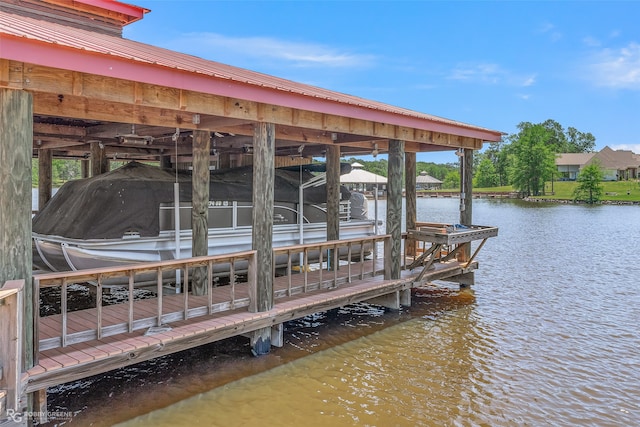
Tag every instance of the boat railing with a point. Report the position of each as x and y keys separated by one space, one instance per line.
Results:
x=310 y=267
x=152 y=314
x=234 y=214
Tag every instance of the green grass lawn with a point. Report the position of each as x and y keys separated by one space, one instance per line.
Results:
x=623 y=191
x=616 y=191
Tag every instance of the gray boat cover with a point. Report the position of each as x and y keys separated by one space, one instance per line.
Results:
x=128 y=199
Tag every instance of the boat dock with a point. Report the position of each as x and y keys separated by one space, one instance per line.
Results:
x=72 y=345
x=82 y=92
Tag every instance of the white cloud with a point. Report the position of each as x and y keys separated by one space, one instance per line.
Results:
x=617 y=68
x=481 y=72
x=212 y=46
x=529 y=81
x=550 y=30
x=591 y=41
x=632 y=147
x=426 y=86
x=488 y=73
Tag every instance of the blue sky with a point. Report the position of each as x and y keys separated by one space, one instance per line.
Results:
x=488 y=63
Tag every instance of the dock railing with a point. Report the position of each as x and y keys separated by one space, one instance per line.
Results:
x=430 y=242
x=11 y=340
x=310 y=267
x=413 y=248
x=307 y=267
x=237 y=270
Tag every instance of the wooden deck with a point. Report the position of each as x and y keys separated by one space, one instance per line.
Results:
x=196 y=320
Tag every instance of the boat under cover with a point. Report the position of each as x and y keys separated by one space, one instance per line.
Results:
x=127 y=216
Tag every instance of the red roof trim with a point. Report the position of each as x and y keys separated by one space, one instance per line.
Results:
x=135 y=12
x=191 y=73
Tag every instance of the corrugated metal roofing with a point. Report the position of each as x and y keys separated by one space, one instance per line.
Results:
x=92 y=43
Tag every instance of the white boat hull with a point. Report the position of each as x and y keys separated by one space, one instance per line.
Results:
x=64 y=254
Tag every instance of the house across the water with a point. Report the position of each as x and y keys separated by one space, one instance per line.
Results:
x=617 y=165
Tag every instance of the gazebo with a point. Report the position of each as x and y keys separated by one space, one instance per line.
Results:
x=363 y=181
x=427 y=182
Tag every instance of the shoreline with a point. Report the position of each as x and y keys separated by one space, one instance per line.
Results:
x=573 y=202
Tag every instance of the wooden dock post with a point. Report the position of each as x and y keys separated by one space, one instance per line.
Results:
x=466 y=207
x=85 y=168
x=12 y=400
x=262 y=236
x=410 y=177
x=394 y=205
x=99 y=161
x=16 y=150
x=200 y=207
x=466 y=187
x=45 y=176
x=333 y=200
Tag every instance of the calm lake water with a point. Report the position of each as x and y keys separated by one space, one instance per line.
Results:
x=549 y=335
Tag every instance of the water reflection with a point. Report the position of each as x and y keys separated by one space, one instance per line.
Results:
x=549 y=336
x=394 y=376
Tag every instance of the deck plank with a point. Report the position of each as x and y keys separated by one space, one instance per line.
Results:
x=93 y=356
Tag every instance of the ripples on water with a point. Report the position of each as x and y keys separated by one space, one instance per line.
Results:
x=548 y=336
x=376 y=379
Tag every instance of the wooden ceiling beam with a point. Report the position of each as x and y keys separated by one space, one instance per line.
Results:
x=64 y=93
x=51 y=143
x=58 y=130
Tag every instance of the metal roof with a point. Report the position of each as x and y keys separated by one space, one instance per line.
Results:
x=50 y=44
x=423 y=178
x=361 y=176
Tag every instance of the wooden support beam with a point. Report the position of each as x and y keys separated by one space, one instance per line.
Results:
x=466 y=196
x=54 y=142
x=224 y=160
x=200 y=206
x=68 y=132
x=333 y=199
x=45 y=176
x=99 y=161
x=60 y=93
x=277 y=335
x=263 y=203
x=464 y=280
x=391 y=300
x=405 y=297
x=411 y=199
x=394 y=203
x=85 y=168
x=262 y=235
x=16 y=133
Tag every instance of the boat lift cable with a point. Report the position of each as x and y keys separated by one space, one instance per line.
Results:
x=375 y=197
x=176 y=207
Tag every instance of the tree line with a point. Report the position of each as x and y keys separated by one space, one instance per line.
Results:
x=524 y=160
